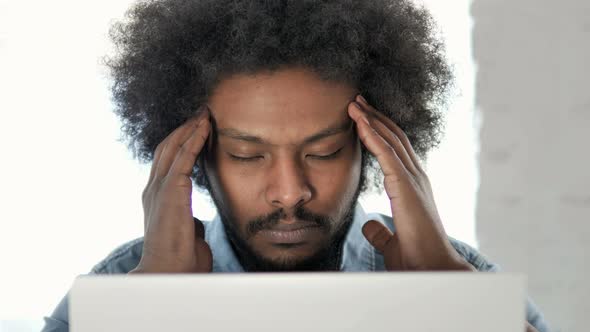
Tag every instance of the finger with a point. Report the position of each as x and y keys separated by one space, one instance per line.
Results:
x=202 y=249
x=183 y=131
x=406 y=142
x=388 y=160
x=173 y=144
x=530 y=328
x=199 y=228
x=186 y=156
x=378 y=235
x=396 y=129
x=156 y=158
x=204 y=256
x=392 y=139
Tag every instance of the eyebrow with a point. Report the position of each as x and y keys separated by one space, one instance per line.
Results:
x=326 y=132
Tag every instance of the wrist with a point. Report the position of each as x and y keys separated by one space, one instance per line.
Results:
x=136 y=270
x=463 y=265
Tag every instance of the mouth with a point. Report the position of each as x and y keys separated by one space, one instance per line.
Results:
x=291 y=233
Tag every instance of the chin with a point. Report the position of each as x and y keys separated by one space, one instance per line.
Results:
x=285 y=263
x=292 y=258
x=286 y=251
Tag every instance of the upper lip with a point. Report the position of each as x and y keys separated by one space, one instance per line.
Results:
x=292 y=226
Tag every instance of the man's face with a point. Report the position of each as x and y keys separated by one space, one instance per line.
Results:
x=284 y=167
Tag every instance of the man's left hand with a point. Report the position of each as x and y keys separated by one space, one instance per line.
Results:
x=419 y=241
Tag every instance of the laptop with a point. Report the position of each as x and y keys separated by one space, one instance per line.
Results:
x=289 y=302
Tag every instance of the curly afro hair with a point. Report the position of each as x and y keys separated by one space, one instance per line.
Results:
x=170 y=54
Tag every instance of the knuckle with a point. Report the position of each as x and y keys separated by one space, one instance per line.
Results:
x=364 y=135
x=160 y=147
x=146 y=194
x=382 y=238
x=176 y=180
x=396 y=138
x=424 y=181
x=186 y=151
x=391 y=180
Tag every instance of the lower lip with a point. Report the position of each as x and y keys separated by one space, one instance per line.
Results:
x=295 y=236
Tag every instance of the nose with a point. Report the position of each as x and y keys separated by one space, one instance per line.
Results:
x=288 y=185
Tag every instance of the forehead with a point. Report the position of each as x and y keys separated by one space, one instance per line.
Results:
x=280 y=107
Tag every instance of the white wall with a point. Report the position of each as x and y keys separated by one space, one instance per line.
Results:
x=533 y=215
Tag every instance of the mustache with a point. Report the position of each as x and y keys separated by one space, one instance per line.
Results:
x=270 y=220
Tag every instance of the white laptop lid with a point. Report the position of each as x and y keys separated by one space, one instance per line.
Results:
x=292 y=302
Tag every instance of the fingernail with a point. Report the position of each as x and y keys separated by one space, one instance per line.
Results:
x=363 y=116
x=361 y=98
x=358 y=106
x=198 y=124
x=201 y=114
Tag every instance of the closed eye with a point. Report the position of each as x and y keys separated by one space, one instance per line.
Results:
x=256 y=158
x=244 y=159
x=326 y=157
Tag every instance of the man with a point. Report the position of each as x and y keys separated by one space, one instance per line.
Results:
x=281 y=110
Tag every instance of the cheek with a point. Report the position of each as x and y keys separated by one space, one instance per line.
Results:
x=241 y=189
x=337 y=184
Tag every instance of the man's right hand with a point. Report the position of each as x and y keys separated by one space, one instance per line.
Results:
x=174 y=240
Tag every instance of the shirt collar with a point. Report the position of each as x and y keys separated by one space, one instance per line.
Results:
x=357 y=253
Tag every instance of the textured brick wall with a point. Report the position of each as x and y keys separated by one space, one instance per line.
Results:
x=533 y=92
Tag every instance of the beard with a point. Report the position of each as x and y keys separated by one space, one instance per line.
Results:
x=327 y=258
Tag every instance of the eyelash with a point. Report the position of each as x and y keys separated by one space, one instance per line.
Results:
x=249 y=159
x=252 y=159
x=327 y=157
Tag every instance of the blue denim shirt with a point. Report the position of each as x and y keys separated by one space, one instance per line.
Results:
x=357 y=255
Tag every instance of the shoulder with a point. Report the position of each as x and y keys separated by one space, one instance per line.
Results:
x=121 y=260
x=474 y=257
x=470 y=254
x=482 y=264
x=125 y=257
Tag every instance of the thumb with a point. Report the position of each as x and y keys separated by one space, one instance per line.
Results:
x=202 y=250
x=379 y=236
x=199 y=228
x=204 y=256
